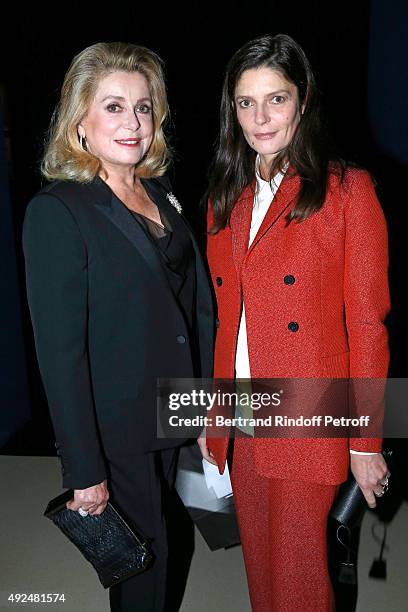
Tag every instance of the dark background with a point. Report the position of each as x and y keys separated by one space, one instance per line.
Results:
x=359 y=52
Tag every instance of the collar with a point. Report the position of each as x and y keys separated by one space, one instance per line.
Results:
x=263 y=186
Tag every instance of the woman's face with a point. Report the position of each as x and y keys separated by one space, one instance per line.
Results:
x=267 y=107
x=118 y=126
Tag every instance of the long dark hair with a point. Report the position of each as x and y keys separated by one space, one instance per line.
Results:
x=233 y=167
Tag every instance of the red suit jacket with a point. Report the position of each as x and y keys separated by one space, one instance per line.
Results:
x=316 y=296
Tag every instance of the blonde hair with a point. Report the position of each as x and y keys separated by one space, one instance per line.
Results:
x=64 y=156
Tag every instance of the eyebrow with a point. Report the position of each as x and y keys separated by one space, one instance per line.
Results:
x=273 y=93
x=121 y=98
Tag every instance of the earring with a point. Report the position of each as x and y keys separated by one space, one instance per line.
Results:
x=82 y=142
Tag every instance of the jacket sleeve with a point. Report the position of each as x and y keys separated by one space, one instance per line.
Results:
x=57 y=286
x=367 y=303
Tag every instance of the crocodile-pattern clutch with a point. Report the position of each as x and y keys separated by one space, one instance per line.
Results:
x=106 y=540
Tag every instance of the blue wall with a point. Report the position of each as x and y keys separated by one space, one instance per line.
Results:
x=388 y=77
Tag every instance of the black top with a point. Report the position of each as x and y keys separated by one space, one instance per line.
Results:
x=176 y=252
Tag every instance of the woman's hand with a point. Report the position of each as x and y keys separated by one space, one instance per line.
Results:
x=370 y=472
x=92 y=500
x=205 y=451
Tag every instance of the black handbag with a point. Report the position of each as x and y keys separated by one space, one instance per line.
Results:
x=348 y=510
x=105 y=540
x=350 y=504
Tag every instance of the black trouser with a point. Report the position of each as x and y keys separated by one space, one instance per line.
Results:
x=142 y=487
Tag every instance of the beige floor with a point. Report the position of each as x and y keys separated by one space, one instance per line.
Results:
x=35 y=557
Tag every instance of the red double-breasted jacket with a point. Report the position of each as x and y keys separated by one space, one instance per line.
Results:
x=327 y=322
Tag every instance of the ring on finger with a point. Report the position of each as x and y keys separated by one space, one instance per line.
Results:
x=384 y=485
x=83 y=512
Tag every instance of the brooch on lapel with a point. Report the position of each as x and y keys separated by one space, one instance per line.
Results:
x=174 y=202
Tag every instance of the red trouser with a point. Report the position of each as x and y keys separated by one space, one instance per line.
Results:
x=282 y=525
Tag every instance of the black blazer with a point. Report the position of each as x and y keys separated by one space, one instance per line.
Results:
x=106 y=323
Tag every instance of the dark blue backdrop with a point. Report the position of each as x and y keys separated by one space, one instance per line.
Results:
x=358 y=51
x=14 y=404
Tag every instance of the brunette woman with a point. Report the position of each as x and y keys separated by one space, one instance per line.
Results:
x=298 y=255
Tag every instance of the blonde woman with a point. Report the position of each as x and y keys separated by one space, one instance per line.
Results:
x=117 y=293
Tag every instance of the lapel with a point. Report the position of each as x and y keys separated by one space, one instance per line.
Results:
x=240 y=225
x=282 y=201
x=242 y=214
x=158 y=193
x=105 y=201
x=204 y=300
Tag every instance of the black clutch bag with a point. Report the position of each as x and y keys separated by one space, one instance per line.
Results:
x=349 y=506
x=106 y=540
